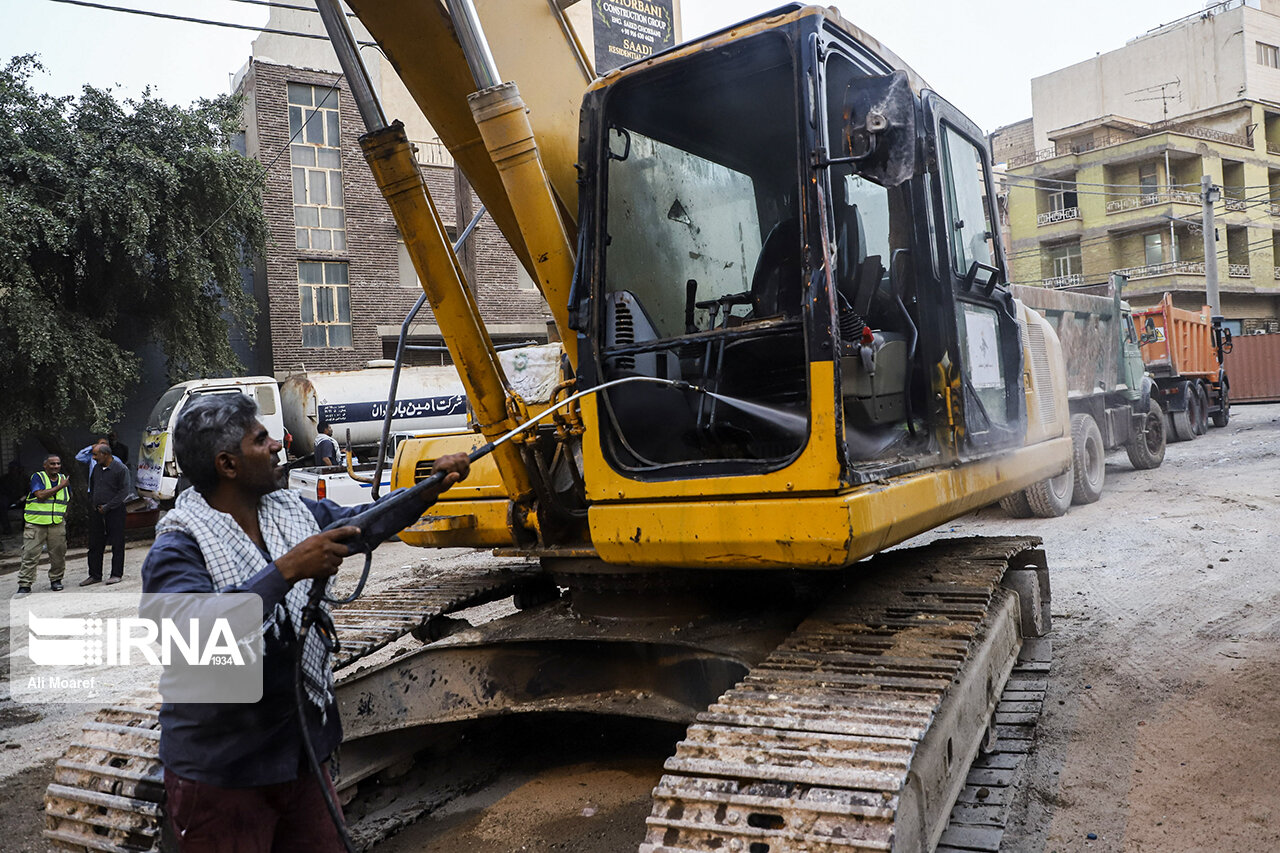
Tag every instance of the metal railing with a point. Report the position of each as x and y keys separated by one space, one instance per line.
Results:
x=1064 y=215
x=1277 y=269
x=433 y=153
x=1149 y=199
x=1235 y=203
x=1170 y=268
x=1063 y=149
x=1238 y=271
x=1069 y=280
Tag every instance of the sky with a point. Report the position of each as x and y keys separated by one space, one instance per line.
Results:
x=979 y=54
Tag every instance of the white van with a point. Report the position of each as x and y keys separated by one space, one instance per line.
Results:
x=158 y=474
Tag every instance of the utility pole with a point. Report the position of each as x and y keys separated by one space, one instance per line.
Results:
x=1209 y=194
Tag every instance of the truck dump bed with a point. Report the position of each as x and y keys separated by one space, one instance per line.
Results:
x=1177 y=342
x=1088 y=328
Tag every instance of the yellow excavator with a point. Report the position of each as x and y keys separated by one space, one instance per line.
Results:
x=785 y=345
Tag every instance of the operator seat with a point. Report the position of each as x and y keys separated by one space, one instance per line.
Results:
x=776 y=284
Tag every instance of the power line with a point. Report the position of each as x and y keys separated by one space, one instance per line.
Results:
x=204 y=21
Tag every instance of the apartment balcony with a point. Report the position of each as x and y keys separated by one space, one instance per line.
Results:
x=1171 y=268
x=1150 y=199
x=1071 y=280
x=1064 y=215
x=1187 y=276
x=1065 y=149
x=433 y=154
x=1273 y=209
x=1235 y=203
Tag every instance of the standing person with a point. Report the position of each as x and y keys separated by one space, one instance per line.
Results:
x=86 y=456
x=108 y=491
x=45 y=511
x=326 y=447
x=235 y=775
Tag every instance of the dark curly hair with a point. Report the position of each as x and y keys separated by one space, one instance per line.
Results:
x=208 y=425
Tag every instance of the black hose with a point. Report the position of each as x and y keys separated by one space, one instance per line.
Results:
x=310 y=614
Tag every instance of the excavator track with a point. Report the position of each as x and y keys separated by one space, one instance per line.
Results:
x=856 y=733
x=108 y=788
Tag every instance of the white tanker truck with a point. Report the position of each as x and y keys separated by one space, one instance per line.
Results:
x=354 y=402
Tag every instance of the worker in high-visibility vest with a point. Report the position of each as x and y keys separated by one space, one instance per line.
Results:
x=45 y=513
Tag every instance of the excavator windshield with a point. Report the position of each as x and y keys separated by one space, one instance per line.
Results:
x=702 y=262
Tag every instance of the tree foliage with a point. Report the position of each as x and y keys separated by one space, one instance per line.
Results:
x=121 y=224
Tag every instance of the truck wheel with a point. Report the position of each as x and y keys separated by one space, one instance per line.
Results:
x=1088 y=459
x=1180 y=423
x=1222 y=417
x=1050 y=498
x=1201 y=422
x=1146 y=449
x=1016 y=505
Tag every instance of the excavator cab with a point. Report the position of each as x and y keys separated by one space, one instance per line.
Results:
x=791 y=224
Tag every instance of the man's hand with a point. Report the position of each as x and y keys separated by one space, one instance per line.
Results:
x=456 y=467
x=316 y=556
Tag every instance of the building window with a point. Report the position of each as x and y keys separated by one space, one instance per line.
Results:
x=316 y=155
x=1268 y=55
x=1066 y=260
x=1062 y=199
x=408 y=275
x=324 y=297
x=1147 y=183
x=1152 y=249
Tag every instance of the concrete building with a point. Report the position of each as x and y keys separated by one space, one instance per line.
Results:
x=1106 y=175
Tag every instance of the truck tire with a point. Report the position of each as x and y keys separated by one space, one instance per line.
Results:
x=1222 y=416
x=1052 y=497
x=1146 y=449
x=1016 y=505
x=1180 y=423
x=1088 y=459
x=1201 y=422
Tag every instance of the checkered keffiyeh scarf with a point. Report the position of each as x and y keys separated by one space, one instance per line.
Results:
x=232 y=558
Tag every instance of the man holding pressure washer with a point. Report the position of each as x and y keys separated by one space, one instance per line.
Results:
x=237 y=776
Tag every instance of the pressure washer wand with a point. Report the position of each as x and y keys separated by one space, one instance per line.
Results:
x=403 y=507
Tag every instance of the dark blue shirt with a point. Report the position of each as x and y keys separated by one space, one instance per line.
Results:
x=240 y=746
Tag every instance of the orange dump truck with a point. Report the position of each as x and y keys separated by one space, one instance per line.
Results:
x=1183 y=353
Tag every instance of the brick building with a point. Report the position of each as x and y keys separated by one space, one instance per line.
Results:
x=335 y=284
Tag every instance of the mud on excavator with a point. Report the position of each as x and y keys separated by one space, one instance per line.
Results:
x=787 y=226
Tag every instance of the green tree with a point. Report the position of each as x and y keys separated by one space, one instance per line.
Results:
x=122 y=223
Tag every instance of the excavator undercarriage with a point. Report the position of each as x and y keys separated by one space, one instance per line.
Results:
x=844 y=716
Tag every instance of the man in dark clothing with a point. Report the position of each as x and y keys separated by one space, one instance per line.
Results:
x=235 y=775
x=326 y=448
x=108 y=491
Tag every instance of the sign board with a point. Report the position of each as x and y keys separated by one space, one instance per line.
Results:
x=626 y=30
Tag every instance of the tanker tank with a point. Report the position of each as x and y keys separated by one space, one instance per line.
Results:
x=427 y=398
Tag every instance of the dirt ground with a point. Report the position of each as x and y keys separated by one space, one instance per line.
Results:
x=1159 y=727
